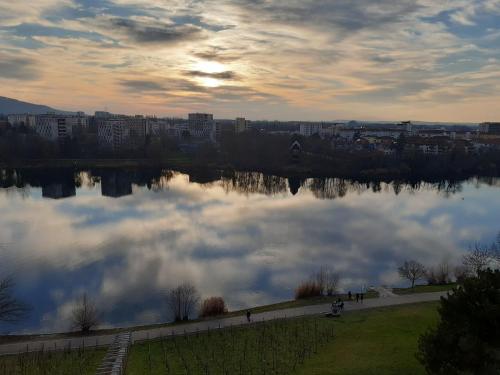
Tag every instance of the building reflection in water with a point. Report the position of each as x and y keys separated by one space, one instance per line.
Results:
x=59 y=190
x=58 y=186
x=116 y=183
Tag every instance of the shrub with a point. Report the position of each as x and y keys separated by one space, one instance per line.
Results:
x=308 y=289
x=213 y=306
x=466 y=340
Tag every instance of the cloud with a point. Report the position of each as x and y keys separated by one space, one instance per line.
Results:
x=153 y=31
x=228 y=75
x=343 y=16
x=166 y=87
x=220 y=55
x=17 y=67
x=142 y=85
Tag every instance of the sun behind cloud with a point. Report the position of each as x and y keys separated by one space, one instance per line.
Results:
x=208 y=67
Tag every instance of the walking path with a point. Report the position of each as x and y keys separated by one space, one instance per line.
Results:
x=106 y=340
x=384 y=292
x=116 y=357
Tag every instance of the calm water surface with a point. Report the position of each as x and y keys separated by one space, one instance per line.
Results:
x=126 y=238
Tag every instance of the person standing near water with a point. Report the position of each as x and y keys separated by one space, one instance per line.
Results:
x=248 y=315
x=357 y=297
x=361 y=297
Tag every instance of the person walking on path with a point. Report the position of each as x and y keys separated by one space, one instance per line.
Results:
x=349 y=295
x=361 y=297
x=357 y=297
x=248 y=315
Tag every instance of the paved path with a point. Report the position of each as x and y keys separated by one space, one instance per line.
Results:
x=115 y=359
x=384 y=292
x=106 y=340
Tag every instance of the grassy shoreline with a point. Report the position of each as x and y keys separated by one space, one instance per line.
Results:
x=381 y=340
x=7 y=339
x=425 y=289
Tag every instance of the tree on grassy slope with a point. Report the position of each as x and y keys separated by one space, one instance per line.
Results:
x=412 y=271
x=467 y=339
x=182 y=301
x=85 y=315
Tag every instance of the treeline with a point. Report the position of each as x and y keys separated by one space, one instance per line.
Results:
x=270 y=154
x=261 y=152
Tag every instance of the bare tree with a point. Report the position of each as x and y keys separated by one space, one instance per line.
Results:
x=319 y=278
x=495 y=249
x=439 y=274
x=327 y=280
x=182 y=301
x=412 y=271
x=332 y=282
x=11 y=309
x=478 y=258
x=85 y=315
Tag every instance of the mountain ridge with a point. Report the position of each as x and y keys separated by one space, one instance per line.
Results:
x=12 y=106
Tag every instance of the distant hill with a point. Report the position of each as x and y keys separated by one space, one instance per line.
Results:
x=9 y=106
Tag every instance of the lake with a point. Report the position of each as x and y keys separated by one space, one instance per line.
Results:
x=125 y=237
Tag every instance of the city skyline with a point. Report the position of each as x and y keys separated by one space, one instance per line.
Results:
x=307 y=60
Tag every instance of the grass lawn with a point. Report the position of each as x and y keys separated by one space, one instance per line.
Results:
x=425 y=289
x=54 y=363
x=377 y=341
x=381 y=341
x=274 y=347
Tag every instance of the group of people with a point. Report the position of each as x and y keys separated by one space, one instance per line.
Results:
x=338 y=305
x=359 y=296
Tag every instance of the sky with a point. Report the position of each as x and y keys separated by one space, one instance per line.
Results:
x=262 y=59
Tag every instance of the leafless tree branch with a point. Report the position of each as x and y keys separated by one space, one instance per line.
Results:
x=11 y=309
x=85 y=315
x=412 y=271
x=182 y=301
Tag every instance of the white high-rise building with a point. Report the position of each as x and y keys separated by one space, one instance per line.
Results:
x=21 y=119
x=202 y=126
x=59 y=127
x=120 y=132
x=323 y=130
x=241 y=125
x=164 y=126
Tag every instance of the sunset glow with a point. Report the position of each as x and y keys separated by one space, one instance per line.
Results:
x=309 y=60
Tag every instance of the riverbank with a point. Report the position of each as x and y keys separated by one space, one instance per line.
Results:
x=255 y=310
x=380 y=340
x=9 y=339
x=80 y=342
x=312 y=166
